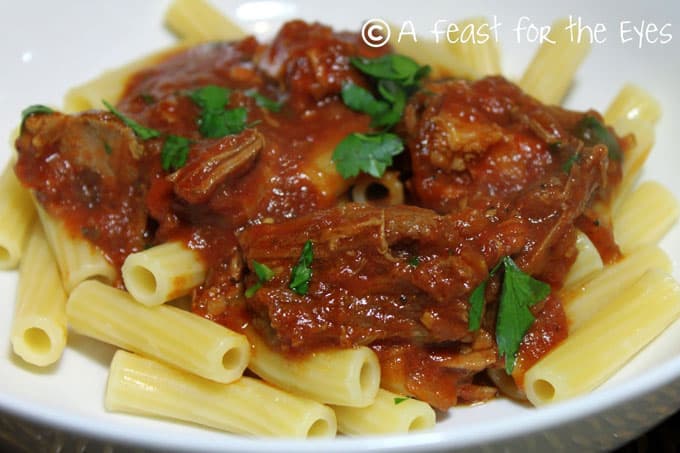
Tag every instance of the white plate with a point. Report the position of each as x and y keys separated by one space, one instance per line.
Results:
x=50 y=46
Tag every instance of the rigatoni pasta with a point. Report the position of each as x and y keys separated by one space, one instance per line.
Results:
x=248 y=406
x=18 y=213
x=162 y=273
x=197 y=20
x=584 y=300
x=389 y=413
x=550 y=73
x=112 y=316
x=611 y=337
x=645 y=216
x=78 y=260
x=38 y=332
x=347 y=377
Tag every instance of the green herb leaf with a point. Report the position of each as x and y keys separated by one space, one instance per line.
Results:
x=566 y=167
x=392 y=67
x=593 y=132
x=263 y=273
x=520 y=291
x=37 y=109
x=371 y=154
x=217 y=124
x=148 y=99
x=414 y=261
x=175 y=152
x=477 y=306
x=397 y=96
x=302 y=271
x=400 y=399
x=215 y=121
x=360 y=99
x=107 y=148
x=211 y=97
x=143 y=132
x=263 y=101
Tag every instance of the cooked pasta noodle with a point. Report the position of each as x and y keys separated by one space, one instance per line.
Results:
x=480 y=53
x=78 y=259
x=247 y=406
x=550 y=73
x=197 y=20
x=112 y=316
x=18 y=213
x=162 y=273
x=389 y=413
x=584 y=300
x=611 y=337
x=38 y=332
x=645 y=216
x=347 y=377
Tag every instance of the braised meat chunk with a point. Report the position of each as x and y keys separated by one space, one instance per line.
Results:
x=88 y=170
x=474 y=143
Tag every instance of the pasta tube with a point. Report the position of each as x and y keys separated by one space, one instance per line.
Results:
x=587 y=262
x=583 y=301
x=197 y=20
x=38 y=333
x=389 y=413
x=18 y=214
x=552 y=69
x=645 y=216
x=166 y=333
x=348 y=377
x=482 y=57
x=162 y=273
x=633 y=103
x=635 y=156
x=248 y=406
x=611 y=337
x=387 y=190
x=78 y=260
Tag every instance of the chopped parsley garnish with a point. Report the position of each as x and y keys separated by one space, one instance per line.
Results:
x=217 y=124
x=143 y=132
x=148 y=99
x=519 y=292
x=302 y=271
x=107 y=148
x=263 y=273
x=174 y=152
x=400 y=399
x=370 y=153
x=414 y=261
x=396 y=76
x=37 y=109
x=215 y=121
x=566 y=167
x=211 y=97
x=392 y=67
x=175 y=149
x=593 y=132
x=360 y=99
x=263 y=101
